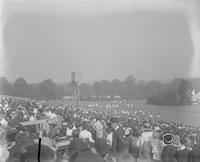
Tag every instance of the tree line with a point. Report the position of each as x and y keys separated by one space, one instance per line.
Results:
x=155 y=92
x=180 y=93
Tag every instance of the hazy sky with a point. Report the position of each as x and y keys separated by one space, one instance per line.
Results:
x=46 y=40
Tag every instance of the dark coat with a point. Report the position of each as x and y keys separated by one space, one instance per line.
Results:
x=182 y=155
x=194 y=155
x=119 y=143
x=168 y=154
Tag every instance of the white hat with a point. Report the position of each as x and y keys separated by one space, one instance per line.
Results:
x=157 y=128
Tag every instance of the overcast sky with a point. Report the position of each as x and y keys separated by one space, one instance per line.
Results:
x=102 y=41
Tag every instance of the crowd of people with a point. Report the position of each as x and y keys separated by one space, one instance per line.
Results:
x=32 y=131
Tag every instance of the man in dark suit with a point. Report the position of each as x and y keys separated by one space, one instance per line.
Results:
x=182 y=154
x=194 y=155
x=118 y=143
x=169 y=150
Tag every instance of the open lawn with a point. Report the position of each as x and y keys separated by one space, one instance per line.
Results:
x=189 y=115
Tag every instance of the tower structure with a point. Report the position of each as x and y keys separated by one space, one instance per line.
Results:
x=76 y=79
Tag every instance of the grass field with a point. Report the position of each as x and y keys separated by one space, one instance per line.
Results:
x=189 y=115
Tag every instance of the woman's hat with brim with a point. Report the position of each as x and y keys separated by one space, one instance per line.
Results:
x=146 y=126
x=156 y=134
x=168 y=139
x=127 y=131
x=13 y=114
x=114 y=120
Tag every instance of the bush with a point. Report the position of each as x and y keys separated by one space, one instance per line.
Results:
x=165 y=98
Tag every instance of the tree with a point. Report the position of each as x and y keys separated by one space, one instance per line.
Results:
x=165 y=98
x=140 y=90
x=130 y=87
x=106 y=88
x=170 y=97
x=196 y=84
x=47 y=89
x=116 y=86
x=85 y=89
x=153 y=87
x=175 y=83
x=21 y=88
x=184 y=87
x=97 y=88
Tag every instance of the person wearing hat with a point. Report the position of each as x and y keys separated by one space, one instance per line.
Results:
x=70 y=128
x=157 y=146
x=75 y=133
x=13 y=122
x=134 y=148
x=76 y=147
x=129 y=138
x=4 y=153
x=108 y=134
x=53 y=130
x=22 y=142
x=101 y=146
x=169 y=150
x=144 y=141
x=85 y=134
x=194 y=155
x=182 y=154
x=118 y=142
x=31 y=154
x=98 y=127
x=3 y=121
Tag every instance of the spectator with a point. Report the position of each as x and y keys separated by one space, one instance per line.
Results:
x=70 y=129
x=108 y=135
x=31 y=154
x=144 y=142
x=4 y=153
x=118 y=142
x=3 y=121
x=169 y=150
x=142 y=146
x=134 y=146
x=182 y=154
x=101 y=147
x=125 y=157
x=157 y=147
x=76 y=147
x=98 y=127
x=22 y=142
x=194 y=155
x=85 y=134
